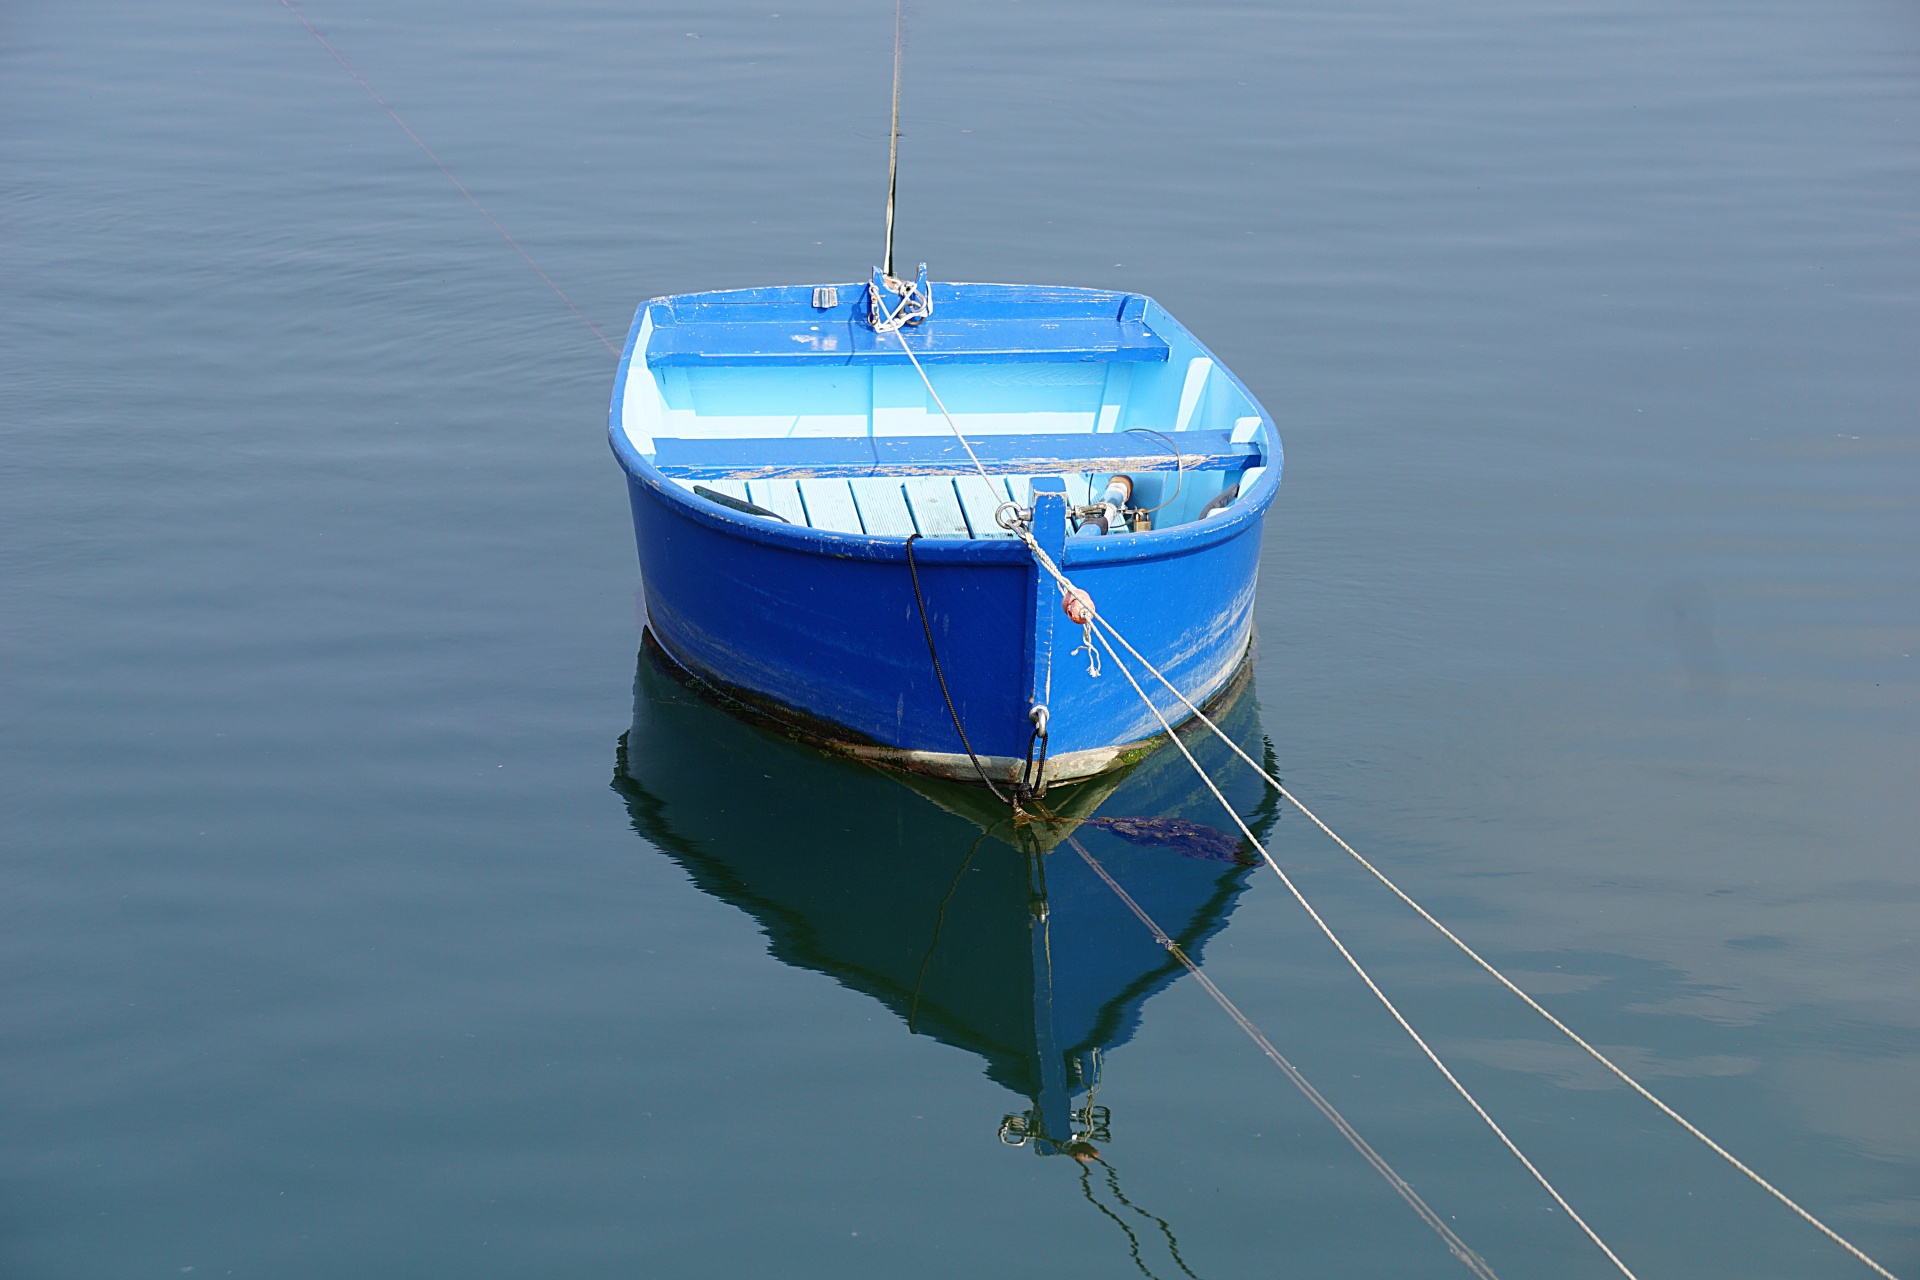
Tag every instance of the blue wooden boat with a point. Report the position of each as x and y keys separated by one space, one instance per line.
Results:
x=781 y=450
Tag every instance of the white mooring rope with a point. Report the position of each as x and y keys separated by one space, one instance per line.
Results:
x=1455 y=1245
x=895 y=320
x=1360 y=969
x=1067 y=587
x=1498 y=976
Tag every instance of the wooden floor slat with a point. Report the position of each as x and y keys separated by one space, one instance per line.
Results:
x=980 y=499
x=883 y=507
x=782 y=497
x=830 y=506
x=935 y=507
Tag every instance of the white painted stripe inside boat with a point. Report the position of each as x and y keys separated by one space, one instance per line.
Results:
x=1113 y=397
x=1197 y=370
x=1244 y=430
x=935 y=508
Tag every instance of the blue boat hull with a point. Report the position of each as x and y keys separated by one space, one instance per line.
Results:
x=821 y=631
x=832 y=644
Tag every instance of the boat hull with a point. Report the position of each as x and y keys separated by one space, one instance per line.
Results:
x=831 y=643
x=821 y=630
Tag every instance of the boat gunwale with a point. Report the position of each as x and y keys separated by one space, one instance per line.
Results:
x=1155 y=544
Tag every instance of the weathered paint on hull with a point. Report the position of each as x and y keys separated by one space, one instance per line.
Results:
x=1072 y=766
x=832 y=644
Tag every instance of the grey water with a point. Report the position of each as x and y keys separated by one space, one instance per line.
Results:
x=355 y=922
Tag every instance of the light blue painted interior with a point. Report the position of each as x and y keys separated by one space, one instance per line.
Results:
x=1188 y=391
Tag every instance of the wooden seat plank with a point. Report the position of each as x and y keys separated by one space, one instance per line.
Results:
x=944 y=339
x=936 y=455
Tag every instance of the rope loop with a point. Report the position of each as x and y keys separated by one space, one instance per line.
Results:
x=1033 y=773
x=1086 y=643
x=916 y=304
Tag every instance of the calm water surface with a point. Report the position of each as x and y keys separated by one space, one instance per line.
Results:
x=364 y=916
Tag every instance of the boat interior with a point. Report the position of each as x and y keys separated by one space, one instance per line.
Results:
x=789 y=422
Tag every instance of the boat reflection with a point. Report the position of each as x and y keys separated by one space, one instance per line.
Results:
x=927 y=896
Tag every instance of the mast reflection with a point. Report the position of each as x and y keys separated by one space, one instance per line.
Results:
x=929 y=897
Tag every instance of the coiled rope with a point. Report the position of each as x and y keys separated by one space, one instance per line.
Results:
x=1071 y=593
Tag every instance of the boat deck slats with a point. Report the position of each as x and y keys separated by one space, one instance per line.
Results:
x=830 y=506
x=852 y=457
x=883 y=507
x=782 y=497
x=936 y=508
x=932 y=506
x=980 y=499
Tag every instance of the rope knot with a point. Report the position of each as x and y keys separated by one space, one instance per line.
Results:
x=1093 y=654
x=915 y=305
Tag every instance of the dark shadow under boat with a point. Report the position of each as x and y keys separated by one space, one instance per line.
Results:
x=971 y=927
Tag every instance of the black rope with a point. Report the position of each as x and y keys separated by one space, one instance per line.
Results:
x=1033 y=779
x=934 y=653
